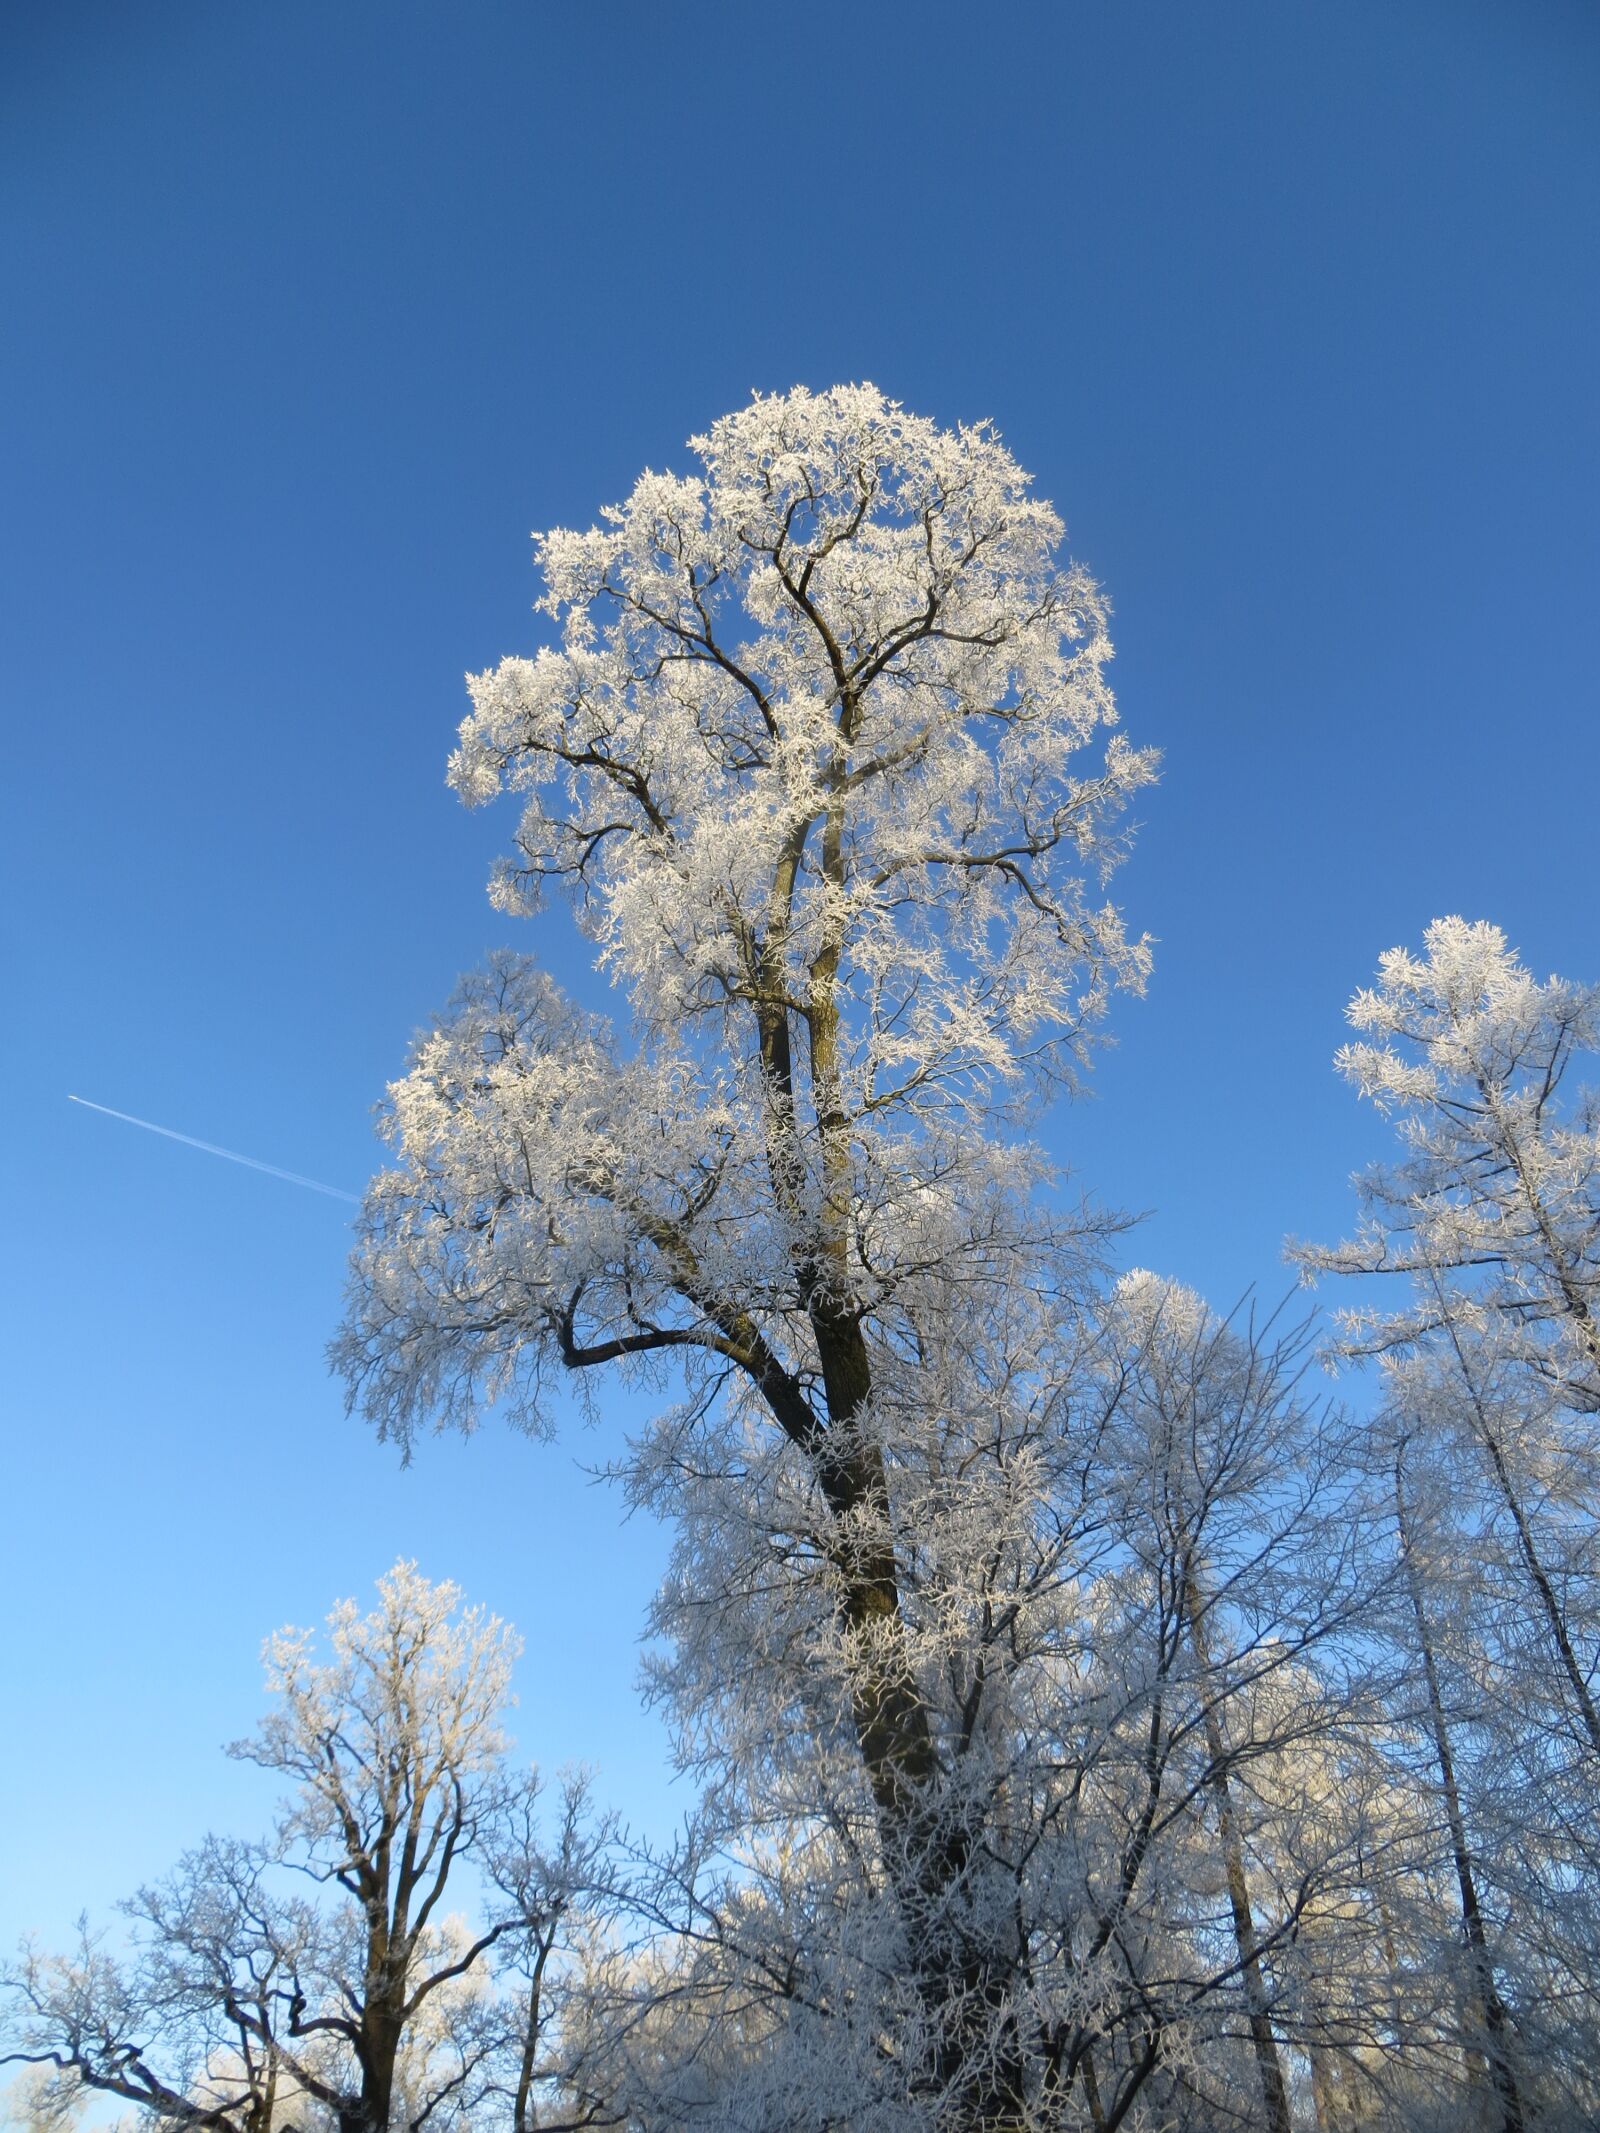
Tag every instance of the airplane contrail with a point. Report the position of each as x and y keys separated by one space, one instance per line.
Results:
x=291 y=1177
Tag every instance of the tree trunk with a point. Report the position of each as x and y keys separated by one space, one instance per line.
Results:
x=1496 y=2023
x=1274 y=2089
x=378 y=2052
x=1531 y=1562
x=523 y=2114
x=927 y=1852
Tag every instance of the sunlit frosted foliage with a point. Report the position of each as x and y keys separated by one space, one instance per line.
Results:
x=829 y=696
x=808 y=755
x=1493 y=1209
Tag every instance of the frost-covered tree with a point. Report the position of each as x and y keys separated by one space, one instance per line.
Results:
x=1492 y=1215
x=1237 y=1597
x=825 y=758
x=1490 y=1218
x=317 y=1980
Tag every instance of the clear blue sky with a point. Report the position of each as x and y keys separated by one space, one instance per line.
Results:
x=312 y=312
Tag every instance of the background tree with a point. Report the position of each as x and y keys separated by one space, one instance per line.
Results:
x=1491 y=1218
x=1243 y=1777
x=248 y=2004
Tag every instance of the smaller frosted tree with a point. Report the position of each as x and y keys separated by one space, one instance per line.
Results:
x=250 y=2001
x=393 y=1744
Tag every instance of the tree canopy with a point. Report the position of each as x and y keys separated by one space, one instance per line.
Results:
x=1095 y=1722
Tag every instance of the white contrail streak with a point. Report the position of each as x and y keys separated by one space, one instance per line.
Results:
x=290 y=1177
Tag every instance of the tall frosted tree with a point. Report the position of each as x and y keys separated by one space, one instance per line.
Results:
x=1487 y=1224
x=1492 y=1218
x=825 y=760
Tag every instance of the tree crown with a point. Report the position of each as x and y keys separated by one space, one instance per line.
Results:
x=820 y=700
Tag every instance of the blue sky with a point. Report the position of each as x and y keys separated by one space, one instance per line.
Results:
x=313 y=313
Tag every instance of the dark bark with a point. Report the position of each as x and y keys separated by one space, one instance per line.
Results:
x=1527 y=1548
x=1269 y=2066
x=1497 y=2030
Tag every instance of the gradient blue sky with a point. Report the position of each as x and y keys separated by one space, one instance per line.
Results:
x=312 y=312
